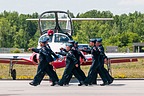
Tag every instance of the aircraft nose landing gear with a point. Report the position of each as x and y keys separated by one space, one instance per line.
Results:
x=12 y=71
x=13 y=74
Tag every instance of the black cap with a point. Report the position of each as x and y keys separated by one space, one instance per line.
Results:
x=92 y=40
x=99 y=40
x=71 y=41
x=69 y=44
x=76 y=42
x=43 y=39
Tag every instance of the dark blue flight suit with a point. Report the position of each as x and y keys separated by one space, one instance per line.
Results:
x=95 y=64
x=43 y=74
x=77 y=54
x=71 y=61
x=103 y=72
x=44 y=67
x=78 y=68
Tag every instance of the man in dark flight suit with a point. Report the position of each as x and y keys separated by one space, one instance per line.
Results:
x=71 y=63
x=77 y=54
x=95 y=67
x=80 y=55
x=43 y=74
x=44 y=66
x=103 y=72
x=95 y=61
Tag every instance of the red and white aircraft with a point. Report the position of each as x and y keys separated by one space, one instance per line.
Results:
x=57 y=25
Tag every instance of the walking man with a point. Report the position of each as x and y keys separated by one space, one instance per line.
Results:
x=44 y=66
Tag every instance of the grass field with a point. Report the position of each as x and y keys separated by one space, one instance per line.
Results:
x=121 y=70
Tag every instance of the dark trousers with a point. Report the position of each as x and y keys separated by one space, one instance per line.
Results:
x=79 y=71
x=108 y=76
x=101 y=74
x=45 y=69
x=104 y=74
x=69 y=70
x=93 y=69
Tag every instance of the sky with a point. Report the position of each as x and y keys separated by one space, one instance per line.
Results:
x=117 y=7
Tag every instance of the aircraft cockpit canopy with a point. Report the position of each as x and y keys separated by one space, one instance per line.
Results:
x=58 y=21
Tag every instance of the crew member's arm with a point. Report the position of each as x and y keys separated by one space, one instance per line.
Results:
x=53 y=54
x=62 y=53
x=82 y=56
x=87 y=51
x=35 y=50
x=96 y=50
x=38 y=50
x=73 y=58
x=101 y=49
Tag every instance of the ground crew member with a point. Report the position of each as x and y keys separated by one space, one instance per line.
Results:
x=77 y=54
x=71 y=63
x=95 y=61
x=103 y=72
x=44 y=66
x=80 y=55
x=42 y=75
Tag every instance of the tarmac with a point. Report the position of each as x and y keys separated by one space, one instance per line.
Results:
x=117 y=88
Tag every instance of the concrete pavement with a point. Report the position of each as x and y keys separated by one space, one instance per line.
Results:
x=118 y=88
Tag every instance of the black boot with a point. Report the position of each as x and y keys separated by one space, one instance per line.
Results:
x=54 y=83
x=94 y=83
x=111 y=81
x=33 y=84
x=66 y=83
x=90 y=84
x=105 y=83
x=60 y=84
x=81 y=83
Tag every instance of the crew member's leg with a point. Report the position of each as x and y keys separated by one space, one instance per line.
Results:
x=66 y=74
x=52 y=74
x=68 y=79
x=91 y=72
x=108 y=76
x=82 y=74
x=37 y=78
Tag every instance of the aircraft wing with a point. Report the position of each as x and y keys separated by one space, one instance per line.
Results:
x=118 y=57
x=90 y=19
x=112 y=57
x=23 y=58
x=73 y=19
x=11 y=59
x=124 y=55
x=121 y=55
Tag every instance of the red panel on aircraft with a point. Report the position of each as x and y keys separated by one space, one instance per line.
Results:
x=20 y=61
x=123 y=60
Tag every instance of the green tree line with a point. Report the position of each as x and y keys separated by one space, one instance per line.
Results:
x=123 y=31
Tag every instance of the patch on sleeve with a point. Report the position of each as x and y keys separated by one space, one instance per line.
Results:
x=99 y=49
x=73 y=48
x=94 y=48
x=70 y=52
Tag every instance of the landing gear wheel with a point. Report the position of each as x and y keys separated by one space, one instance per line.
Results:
x=13 y=74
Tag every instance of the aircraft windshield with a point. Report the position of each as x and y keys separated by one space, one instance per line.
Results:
x=58 y=22
x=48 y=24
